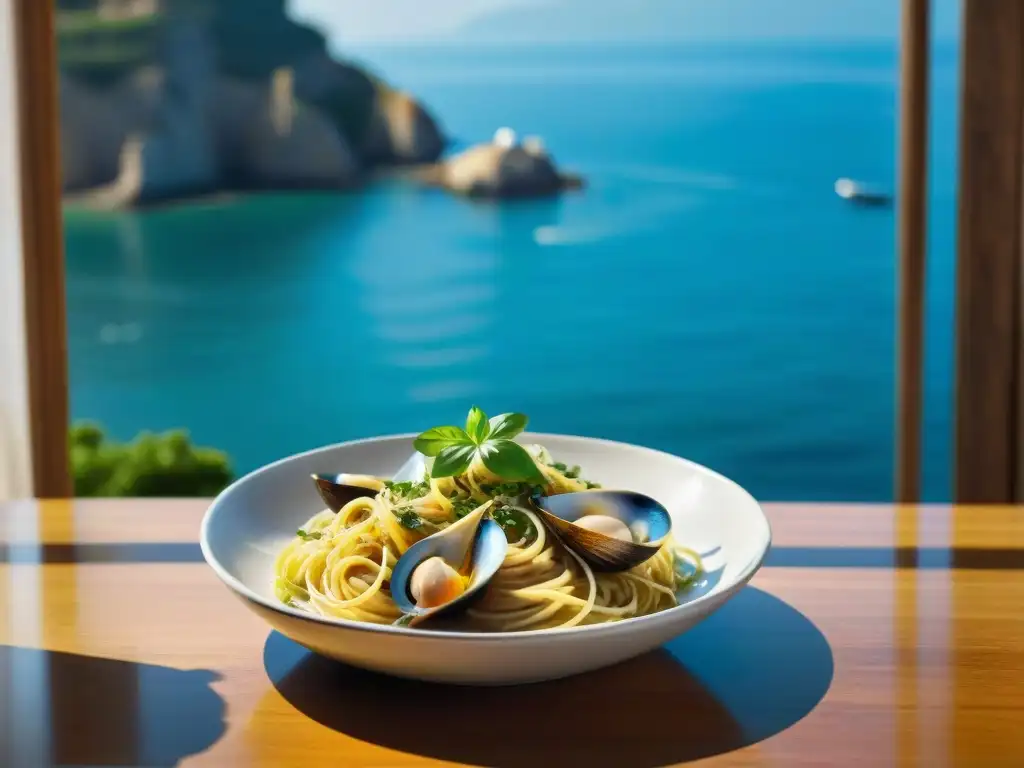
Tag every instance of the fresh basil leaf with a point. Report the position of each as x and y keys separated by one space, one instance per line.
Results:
x=433 y=441
x=453 y=460
x=477 y=426
x=507 y=426
x=509 y=461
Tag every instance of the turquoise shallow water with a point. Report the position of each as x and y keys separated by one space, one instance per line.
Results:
x=707 y=294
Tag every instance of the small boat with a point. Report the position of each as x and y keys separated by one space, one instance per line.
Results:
x=855 y=192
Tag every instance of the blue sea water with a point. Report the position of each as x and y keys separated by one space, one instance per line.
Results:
x=707 y=294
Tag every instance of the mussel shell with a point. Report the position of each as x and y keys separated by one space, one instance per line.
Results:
x=337 y=490
x=487 y=553
x=604 y=553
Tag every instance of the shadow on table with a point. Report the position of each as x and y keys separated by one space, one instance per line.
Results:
x=751 y=670
x=69 y=709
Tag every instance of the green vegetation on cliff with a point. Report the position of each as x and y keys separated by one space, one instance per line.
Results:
x=251 y=39
x=151 y=465
x=102 y=50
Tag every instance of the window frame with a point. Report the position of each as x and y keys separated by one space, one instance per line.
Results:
x=987 y=462
x=989 y=368
x=42 y=238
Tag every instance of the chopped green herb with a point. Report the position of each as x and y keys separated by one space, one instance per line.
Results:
x=591 y=485
x=515 y=524
x=408 y=489
x=560 y=466
x=308 y=536
x=461 y=508
x=288 y=592
x=573 y=472
x=409 y=520
x=514 y=490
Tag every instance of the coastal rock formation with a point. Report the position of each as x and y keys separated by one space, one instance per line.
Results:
x=176 y=148
x=204 y=96
x=303 y=150
x=503 y=168
x=401 y=131
x=266 y=139
x=92 y=133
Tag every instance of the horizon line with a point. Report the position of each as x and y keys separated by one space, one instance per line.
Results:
x=459 y=42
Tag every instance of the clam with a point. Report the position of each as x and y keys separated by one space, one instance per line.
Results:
x=338 y=490
x=442 y=574
x=611 y=530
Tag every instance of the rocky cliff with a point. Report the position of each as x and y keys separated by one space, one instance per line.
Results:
x=162 y=99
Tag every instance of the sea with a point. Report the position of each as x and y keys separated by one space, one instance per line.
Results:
x=706 y=294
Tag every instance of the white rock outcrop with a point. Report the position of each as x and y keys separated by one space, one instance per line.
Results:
x=503 y=168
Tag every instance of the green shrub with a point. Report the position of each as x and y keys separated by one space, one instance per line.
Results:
x=150 y=465
x=101 y=50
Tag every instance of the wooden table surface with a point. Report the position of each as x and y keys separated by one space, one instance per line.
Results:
x=874 y=636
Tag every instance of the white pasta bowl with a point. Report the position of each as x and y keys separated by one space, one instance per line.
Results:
x=250 y=521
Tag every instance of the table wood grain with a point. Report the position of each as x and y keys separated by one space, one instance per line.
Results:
x=874 y=636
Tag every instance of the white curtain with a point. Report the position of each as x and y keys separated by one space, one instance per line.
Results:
x=15 y=456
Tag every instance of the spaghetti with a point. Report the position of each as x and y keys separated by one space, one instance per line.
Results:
x=339 y=565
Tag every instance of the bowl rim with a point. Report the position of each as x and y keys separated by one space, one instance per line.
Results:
x=715 y=599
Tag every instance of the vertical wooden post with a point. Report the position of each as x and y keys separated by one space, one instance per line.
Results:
x=43 y=247
x=989 y=252
x=912 y=242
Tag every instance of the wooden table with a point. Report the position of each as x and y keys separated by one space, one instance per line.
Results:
x=874 y=636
